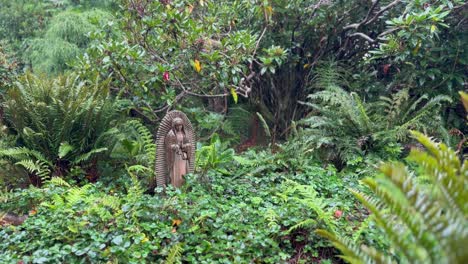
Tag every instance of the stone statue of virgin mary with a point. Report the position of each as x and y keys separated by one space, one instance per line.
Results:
x=175 y=155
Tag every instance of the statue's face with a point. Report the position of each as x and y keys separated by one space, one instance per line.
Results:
x=178 y=124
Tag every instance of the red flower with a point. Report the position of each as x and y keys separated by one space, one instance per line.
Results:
x=166 y=76
x=338 y=213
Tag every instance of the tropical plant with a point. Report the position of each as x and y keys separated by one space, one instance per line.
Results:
x=413 y=39
x=59 y=123
x=424 y=222
x=213 y=156
x=343 y=127
x=135 y=146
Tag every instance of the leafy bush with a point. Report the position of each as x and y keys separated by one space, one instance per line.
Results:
x=63 y=41
x=424 y=222
x=214 y=155
x=343 y=127
x=59 y=123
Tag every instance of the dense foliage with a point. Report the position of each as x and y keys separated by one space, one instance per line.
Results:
x=215 y=218
x=57 y=124
x=294 y=103
x=425 y=222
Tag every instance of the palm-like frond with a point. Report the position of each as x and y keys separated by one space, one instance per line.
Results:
x=345 y=126
x=62 y=119
x=426 y=223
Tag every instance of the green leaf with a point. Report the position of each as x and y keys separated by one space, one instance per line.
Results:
x=117 y=240
x=64 y=149
x=234 y=95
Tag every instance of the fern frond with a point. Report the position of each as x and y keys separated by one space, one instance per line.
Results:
x=139 y=169
x=364 y=225
x=64 y=149
x=86 y=156
x=351 y=253
x=175 y=254
x=135 y=191
x=302 y=224
x=394 y=231
x=393 y=193
x=59 y=182
x=308 y=197
x=147 y=142
x=77 y=194
x=364 y=119
x=426 y=223
x=39 y=167
x=264 y=124
x=271 y=217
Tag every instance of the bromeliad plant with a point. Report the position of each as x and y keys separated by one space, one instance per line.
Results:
x=424 y=222
x=58 y=123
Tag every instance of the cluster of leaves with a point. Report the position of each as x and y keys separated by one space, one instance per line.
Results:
x=424 y=222
x=58 y=124
x=65 y=39
x=44 y=35
x=343 y=128
x=425 y=38
x=162 y=51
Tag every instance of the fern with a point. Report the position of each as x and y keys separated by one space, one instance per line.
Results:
x=86 y=156
x=342 y=126
x=175 y=254
x=64 y=149
x=307 y=196
x=101 y=205
x=58 y=182
x=39 y=168
x=148 y=143
x=364 y=225
x=135 y=191
x=77 y=194
x=33 y=161
x=302 y=224
x=271 y=217
x=426 y=223
x=59 y=122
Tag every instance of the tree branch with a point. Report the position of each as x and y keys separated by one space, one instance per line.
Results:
x=387 y=7
x=362 y=35
x=367 y=20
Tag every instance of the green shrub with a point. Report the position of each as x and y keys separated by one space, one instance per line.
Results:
x=65 y=39
x=59 y=123
x=343 y=127
x=424 y=222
